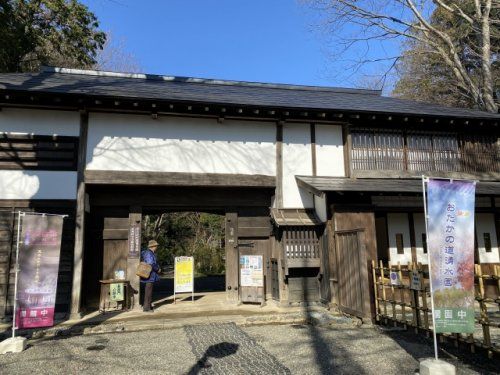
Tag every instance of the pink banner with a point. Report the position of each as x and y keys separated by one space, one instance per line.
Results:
x=39 y=250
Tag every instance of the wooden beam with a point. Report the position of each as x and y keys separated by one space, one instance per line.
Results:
x=185 y=198
x=177 y=179
x=79 y=219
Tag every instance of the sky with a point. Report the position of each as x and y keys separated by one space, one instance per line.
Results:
x=279 y=41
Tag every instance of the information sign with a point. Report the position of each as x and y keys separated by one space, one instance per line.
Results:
x=251 y=271
x=184 y=275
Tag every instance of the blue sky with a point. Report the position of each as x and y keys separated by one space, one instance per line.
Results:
x=266 y=41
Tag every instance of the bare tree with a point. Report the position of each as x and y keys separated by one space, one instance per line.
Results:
x=378 y=20
x=115 y=57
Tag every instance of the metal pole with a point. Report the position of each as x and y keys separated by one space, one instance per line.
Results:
x=16 y=273
x=424 y=179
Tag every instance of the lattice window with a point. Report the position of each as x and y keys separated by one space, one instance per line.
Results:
x=433 y=152
x=377 y=149
x=301 y=242
x=25 y=151
x=422 y=151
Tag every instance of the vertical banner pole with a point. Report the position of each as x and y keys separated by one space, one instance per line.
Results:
x=14 y=313
x=430 y=270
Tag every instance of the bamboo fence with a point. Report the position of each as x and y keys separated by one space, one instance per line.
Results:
x=400 y=305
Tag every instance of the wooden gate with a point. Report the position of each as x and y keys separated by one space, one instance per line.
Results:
x=352 y=273
x=253 y=247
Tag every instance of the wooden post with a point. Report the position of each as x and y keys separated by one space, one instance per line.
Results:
x=279 y=165
x=484 y=310
x=375 y=286
x=313 y=149
x=402 y=289
x=232 y=254
x=75 y=312
x=416 y=301
x=384 y=296
x=135 y=219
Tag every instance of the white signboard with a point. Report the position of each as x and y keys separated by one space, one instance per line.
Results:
x=394 y=276
x=251 y=271
x=416 y=280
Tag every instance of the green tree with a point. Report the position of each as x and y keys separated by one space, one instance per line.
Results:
x=196 y=234
x=47 y=32
x=425 y=76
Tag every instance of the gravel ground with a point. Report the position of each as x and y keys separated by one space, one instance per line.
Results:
x=228 y=349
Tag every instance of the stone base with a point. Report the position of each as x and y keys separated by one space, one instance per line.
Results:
x=13 y=345
x=431 y=366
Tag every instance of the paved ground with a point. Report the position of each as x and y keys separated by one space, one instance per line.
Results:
x=229 y=349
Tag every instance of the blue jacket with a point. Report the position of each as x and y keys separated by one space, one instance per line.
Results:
x=149 y=257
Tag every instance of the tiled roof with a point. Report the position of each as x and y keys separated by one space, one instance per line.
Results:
x=93 y=83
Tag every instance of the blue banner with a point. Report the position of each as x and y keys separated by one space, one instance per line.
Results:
x=450 y=210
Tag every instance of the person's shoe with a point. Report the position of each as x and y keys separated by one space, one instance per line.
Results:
x=147 y=311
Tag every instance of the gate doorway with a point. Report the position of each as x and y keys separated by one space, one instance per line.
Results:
x=187 y=233
x=116 y=213
x=352 y=273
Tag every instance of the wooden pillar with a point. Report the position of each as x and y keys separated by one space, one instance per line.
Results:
x=134 y=253
x=347 y=146
x=279 y=165
x=413 y=241
x=313 y=148
x=75 y=311
x=232 y=264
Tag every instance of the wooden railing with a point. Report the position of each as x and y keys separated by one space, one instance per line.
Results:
x=419 y=151
x=400 y=305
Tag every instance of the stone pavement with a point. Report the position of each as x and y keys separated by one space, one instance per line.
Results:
x=226 y=349
x=230 y=349
x=207 y=308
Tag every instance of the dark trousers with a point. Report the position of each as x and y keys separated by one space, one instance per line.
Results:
x=148 y=296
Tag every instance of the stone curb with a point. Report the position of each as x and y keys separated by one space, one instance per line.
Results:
x=312 y=318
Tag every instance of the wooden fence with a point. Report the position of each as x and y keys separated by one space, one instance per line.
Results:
x=400 y=305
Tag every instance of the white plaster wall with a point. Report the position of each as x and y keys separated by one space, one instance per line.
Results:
x=485 y=223
x=419 y=223
x=40 y=122
x=37 y=184
x=320 y=207
x=297 y=160
x=329 y=151
x=176 y=144
x=398 y=223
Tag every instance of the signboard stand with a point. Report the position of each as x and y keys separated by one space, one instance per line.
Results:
x=449 y=206
x=17 y=344
x=184 y=276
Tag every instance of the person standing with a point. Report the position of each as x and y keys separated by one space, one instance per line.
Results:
x=149 y=256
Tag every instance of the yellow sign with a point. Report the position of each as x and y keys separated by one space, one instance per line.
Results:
x=184 y=275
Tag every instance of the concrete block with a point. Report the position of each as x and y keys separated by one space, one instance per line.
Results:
x=13 y=345
x=431 y=366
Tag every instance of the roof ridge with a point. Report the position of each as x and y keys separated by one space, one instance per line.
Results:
x=210 y=81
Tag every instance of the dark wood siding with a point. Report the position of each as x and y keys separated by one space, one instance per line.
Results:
x=26 y=151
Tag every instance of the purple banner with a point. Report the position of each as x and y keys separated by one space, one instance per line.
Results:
x=39 y=251
x=450 y=206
